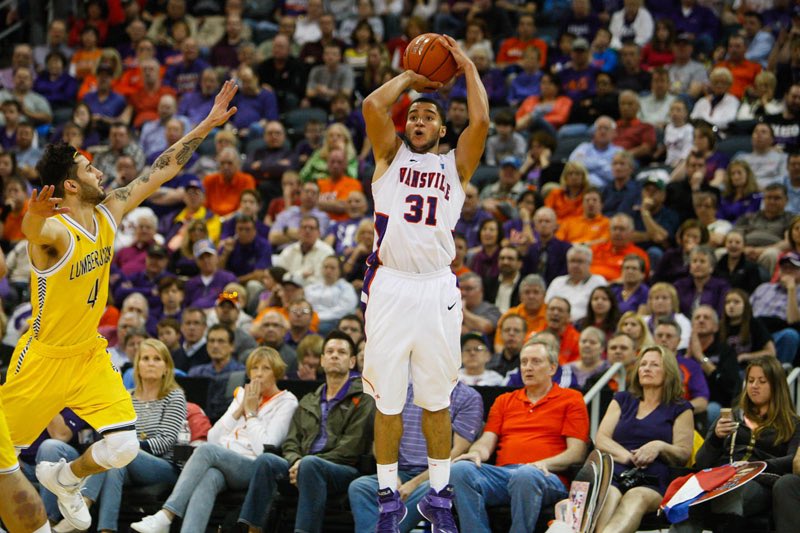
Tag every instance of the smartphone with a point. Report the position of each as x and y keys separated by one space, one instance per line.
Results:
x=726 y=413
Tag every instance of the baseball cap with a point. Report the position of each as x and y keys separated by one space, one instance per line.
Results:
x=510 y=161
x=196 y=184
x=294 y=279
x=580 y=44
x=156 y=250
x=790 y=257
x=473 y=336
x=204 y=246
x=685 y=37
x=230 y=297
x=653 y=180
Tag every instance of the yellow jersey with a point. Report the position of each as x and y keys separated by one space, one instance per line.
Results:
x=69 y=298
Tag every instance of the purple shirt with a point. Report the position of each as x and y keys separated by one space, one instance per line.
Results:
x=205 y=296
x=246 y=258
x=549 y=262
x=59 y=92
x=578 y=84
x=466 y=416
x=131 y=259
x=326 y=406
x=699 y=21
x=633 y=302
x=195 y=106
x=229 y=229
x=731 y=210
x=713 y=294
x=185 y=78
x=492 y=79
x=523 y=86
x=694 y=378
x=112 y=106
x=344 y=234
x=469 y=227
x=254 y=108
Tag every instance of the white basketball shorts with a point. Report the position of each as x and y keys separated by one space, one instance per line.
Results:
x=413 y=327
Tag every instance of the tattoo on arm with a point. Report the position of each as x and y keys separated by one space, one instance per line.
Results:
x=163 y=160
x=187 y=150
x=123 y=193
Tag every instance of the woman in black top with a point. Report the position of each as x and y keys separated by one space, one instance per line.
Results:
x=744 y=333
x=740 y=272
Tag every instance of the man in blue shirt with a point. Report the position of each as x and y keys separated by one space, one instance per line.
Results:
x=466 y=414
x=220 y=341
x=105 y=104
x=245 y=254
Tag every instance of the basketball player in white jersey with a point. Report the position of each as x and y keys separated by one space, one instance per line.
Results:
x=413 y=312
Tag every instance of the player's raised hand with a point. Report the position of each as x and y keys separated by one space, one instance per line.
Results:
x=44 y=204
x=220 y=113
x=422 y=84
x=462 y=59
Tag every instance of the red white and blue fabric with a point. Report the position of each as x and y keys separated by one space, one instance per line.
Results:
x=686 y=489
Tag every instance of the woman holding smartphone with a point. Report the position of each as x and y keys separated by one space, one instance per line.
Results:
x=762 y=427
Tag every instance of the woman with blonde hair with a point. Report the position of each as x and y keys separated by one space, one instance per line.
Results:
x=336 y=136
x=762 y=427
x=663 y=302
x=567 y=200
x=646 y=429
x=741 y=193
x=634 y=326
x=160 y=406
x=258 y=416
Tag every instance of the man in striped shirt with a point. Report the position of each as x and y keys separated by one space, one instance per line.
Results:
x=466 y=414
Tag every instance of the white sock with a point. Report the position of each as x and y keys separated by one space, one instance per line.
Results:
x=439 y=472
x=387 y=476
x=44 y=529
x=66 y=477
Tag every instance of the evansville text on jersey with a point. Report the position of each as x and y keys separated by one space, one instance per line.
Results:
x=90 y=261
x=434 y=180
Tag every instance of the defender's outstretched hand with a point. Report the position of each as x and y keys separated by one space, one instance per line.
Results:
x=44 y=205
x=220 y=113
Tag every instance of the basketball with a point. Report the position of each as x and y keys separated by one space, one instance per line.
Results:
x=428 y=56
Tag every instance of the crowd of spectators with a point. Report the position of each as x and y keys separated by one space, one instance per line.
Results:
x=640 y=194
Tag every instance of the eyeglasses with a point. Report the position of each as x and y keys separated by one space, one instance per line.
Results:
x=477 y=349
x=300 y=311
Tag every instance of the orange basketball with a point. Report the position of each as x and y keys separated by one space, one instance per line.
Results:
x=428 y=56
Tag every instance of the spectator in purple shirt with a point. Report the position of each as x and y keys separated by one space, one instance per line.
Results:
x=146 y=281
x=577 y=79
x=55 y=83
x=492 y=78
x=695 y=387
x=472 y=216
x=700 y=287
x=185 y=76
x=545 y=254
x=342 y=235
x=131 y=259
x=203 y=289
x=256 y=105
x=196 y=104
x=224 y=52
x=246 y=254
x=700 y=21
x=106 y=105
x=580 y=21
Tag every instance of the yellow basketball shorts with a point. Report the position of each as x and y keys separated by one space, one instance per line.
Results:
x=42 y=380
x=8 y=456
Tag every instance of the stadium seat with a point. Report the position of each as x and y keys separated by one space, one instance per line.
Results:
x=296 y=119
x=735 y=144
x=484 y=175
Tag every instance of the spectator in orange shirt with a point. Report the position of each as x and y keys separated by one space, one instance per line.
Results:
x=145 y=101
x=459 y=266
x=131 y=80
x=590 y=228
x=744 y=71
x=12 y=211
x=537 y=431
x=336 y=187
x=512 y=48
x=608 y=256
x=85 y=58
x=548 y=111
x=557 y=316
x=567 y=200
x=224 y=188
x=531 y=307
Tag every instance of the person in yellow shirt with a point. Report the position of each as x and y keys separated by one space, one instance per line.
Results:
x=61 y=361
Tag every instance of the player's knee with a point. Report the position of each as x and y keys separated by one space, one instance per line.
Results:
x=116 y=449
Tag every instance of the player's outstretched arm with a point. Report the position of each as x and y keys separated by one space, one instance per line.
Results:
x=36 y=224
x=472 y=140
x=377 y=112
x=169 y=163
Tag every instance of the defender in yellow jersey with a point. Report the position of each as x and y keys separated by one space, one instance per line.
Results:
x=20 y=506
x=62 y=361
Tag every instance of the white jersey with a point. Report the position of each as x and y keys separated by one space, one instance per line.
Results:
x=418 y=201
